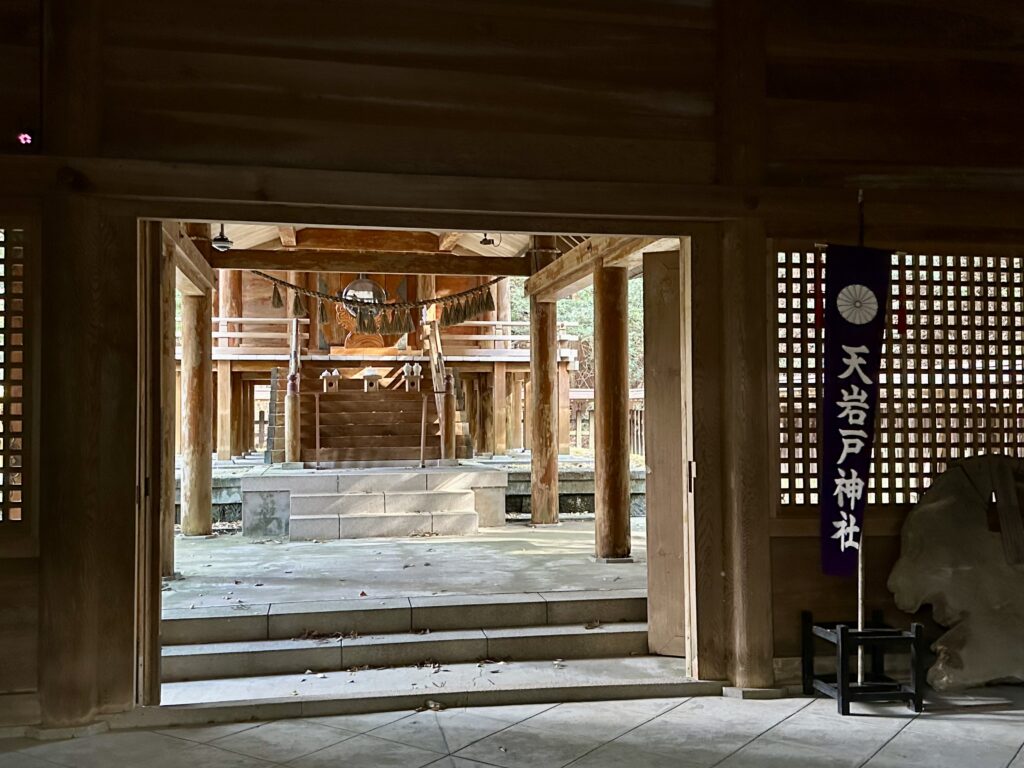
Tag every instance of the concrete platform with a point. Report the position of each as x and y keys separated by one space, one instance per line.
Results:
x=232 y=572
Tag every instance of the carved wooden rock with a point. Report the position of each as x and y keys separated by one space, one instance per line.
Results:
x=955 y=559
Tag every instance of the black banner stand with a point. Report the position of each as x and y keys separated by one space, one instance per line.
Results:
x=876 y=637
x=873 y=685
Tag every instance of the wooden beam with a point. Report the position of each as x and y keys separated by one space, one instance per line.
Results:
x=448 y=240
x=194 y=268
x=288 y=236
x=575 y=268
x=323 y=238
x=372 y=262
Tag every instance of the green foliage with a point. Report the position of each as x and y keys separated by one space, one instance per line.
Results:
x=578 y=312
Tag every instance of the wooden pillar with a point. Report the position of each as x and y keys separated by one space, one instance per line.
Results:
x=516 y=411
x=292 y=421
x=503 y=311
x=197 y=415
x=224 y=410
x=449 y=436
x=237 y=415
x=472 y=406
x=611 y=392
x=486 y=406
x=312 y=281
x=745 y=449
x=500 y=405
x=229 y=303
x=563 y=407
x=250 y=416
x=527 y=413
x=544 y=378
x=170 y=398
x=491 y=315
x=669 y=496
x=177 y=410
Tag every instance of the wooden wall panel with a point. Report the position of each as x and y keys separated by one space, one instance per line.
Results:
x=896 y=92
x=19 y=71
x=526 y=89
x=798 y=585
x=19 y=625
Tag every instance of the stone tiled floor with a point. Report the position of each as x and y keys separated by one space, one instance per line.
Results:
x=980 y=729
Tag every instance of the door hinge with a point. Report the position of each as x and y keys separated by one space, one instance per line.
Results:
x=691 y=475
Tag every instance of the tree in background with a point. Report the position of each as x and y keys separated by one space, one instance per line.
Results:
x=579 y=311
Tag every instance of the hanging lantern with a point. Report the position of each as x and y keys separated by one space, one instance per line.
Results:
x=365 y=290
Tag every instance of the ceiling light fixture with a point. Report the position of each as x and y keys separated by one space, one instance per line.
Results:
x=222 y=242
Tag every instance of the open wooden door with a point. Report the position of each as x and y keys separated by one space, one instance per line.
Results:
x=668 y=435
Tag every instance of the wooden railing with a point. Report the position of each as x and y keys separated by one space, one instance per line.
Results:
x=254 y=342
x=242 y=337
x=581 y=420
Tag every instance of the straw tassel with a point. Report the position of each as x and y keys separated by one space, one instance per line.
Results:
x=275 y=298
x=298 y=306
x=322 y=312
x=488 y=301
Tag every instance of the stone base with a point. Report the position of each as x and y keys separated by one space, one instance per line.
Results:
x=612 y=560
x=755 y=693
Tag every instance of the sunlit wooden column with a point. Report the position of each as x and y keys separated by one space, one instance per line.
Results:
x=563 y=407
x=229 y=300
x=544 y=378
x=611 y=394
x=170 y=397
x=197 y=415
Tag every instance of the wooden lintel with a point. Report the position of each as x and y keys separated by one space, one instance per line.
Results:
x=372 y=262
x=333 y=239
x=574 y=269
x=195 y=275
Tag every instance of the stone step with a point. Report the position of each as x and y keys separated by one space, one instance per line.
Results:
x=369 y=525
x=334 y=653
x=398 y=688
x=428 y=501
x=386 y=501
x=375 y=616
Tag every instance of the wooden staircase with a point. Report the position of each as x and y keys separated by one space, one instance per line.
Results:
x=360 y=428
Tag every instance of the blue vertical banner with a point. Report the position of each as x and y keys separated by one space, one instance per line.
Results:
x=856 y=308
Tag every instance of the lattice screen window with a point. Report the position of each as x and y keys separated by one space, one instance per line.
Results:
x=951 y=385
x=12 y=371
